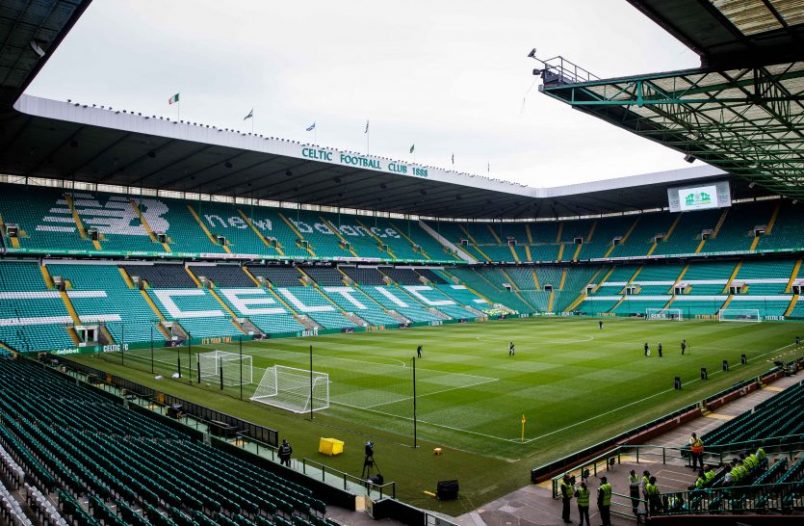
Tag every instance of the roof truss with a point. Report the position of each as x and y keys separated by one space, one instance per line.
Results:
x=747 y=121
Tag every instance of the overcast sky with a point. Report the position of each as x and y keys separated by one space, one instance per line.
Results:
x=449 y=76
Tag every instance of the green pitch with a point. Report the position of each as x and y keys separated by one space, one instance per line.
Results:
x=575 y=384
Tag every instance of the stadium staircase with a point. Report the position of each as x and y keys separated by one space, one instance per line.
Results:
x=300 y=241
x=146 y=226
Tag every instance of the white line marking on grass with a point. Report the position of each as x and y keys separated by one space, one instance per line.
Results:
x=560 y=342
x=420 y=421
x=487 y=381
x=264 y=352
x=616 y=409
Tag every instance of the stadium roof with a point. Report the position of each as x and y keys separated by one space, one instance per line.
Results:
x=728 y=33
x=74 y=141
x=81 y=142
x=742 y=111
x=29 y=32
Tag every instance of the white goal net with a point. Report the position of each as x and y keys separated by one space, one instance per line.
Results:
x=664 y=314
x=212 y=364
x=739 y=315
x=295 y=390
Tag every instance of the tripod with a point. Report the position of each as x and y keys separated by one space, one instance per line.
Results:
x=369 y=466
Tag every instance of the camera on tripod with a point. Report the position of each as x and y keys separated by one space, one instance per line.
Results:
x=370 y=466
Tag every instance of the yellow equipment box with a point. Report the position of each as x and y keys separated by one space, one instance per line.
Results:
x=330 y=446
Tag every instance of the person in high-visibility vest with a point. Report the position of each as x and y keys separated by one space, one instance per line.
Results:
x=633 y=489
x=604 y=501
x=696 y=452
x=582 y=494
x=644 y=483
x=751 y=461
x=700 y=482
x=654 y=496
x=709 y=474
x=566 y=497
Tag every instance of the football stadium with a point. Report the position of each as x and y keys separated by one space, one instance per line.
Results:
x=206 y=326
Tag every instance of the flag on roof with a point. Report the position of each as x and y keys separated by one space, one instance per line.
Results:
x=453 y=158
x=412 y=148
x=367 y=124
x=174 y=99
x=311 y=127
x=250 y=115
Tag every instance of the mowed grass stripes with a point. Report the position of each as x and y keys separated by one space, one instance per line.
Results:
x=575 y=384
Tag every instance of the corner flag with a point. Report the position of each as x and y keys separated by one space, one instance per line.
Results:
x=174 y=99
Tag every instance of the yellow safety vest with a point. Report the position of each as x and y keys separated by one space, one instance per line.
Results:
x=566 y=490
x=605 y=490
x=583 y=497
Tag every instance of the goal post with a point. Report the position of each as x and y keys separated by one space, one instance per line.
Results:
x=293 y=389
x=739 y=315
x=664 y=314
x=214 y=363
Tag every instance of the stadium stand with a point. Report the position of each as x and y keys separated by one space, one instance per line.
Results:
x=99 y=294
x=34 y=317
x=310 y=301
x=161 y=275
x=776 y=421
x=128 y=467
x=785 y=231
x=62 y=221
x=243 y=234
x=430 y=276
x=354 y=300
x=402 y=276
x=263 y=309
x=324 y=275
x=222 y=275
x=364 y=275
x=736 y=231
x=277 y=276
x=44 y=217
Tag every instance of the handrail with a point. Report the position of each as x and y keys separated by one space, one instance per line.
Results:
x=381 y=490
x=614 y=456
x=783 y=496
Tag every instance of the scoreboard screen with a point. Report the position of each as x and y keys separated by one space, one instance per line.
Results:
x=701 y=197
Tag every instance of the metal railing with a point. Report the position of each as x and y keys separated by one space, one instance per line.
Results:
x=347 y=482
x=603 y=462
x=782 y=497
x=658 y=454
x=559 y=69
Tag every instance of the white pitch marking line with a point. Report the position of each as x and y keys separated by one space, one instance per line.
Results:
x=629 y=404
x=488 y=381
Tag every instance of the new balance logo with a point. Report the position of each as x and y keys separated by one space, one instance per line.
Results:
x=117 y=216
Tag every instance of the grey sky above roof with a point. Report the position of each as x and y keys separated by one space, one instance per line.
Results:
x=447 y=76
